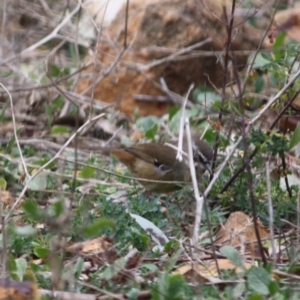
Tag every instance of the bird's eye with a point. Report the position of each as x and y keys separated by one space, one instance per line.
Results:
x=160 y=166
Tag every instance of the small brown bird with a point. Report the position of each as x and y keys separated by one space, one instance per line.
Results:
x=157 y=161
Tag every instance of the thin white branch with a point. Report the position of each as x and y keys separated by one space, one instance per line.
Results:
x=181 y=126
x=15 y=130
x=199 y=199
x=271 y=215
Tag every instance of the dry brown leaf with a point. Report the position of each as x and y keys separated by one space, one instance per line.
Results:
x=209 y=272
x=239 y=232
x=288 y=20
x=95 y=246
x=10 y=289
x=7 y=199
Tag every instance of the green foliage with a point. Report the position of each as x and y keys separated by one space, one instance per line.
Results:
x=3 y=184
x=205 y=96
x=25 y=231
x=295 y=139
x=56 y=130
x=56 y=71
x=175 y=120
x=170 y=287
x=42 y=253
x=21 y=266
x=259 y=84
x=87 y=172
x=96 y=227
x=53 y=108
x=274 y=143
x=2 y=114
x=39 y=182
x=278 y=47
x=149 y=125
x=233 y=255
x=258 y=280
x=114 y=269
x=32 y=209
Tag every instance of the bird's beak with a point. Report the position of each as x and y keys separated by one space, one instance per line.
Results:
x=208 y=168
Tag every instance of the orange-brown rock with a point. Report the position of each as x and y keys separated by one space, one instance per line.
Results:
x=157 y=29
x=288 y=21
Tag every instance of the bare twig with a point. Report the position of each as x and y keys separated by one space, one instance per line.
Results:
x=168 y=58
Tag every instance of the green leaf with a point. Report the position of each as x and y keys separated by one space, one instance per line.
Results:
x=56 y=130
x=278 y=46
x=54 y=70
x=2 y=114
x=41 y=252
x=146 y=123
x=66 y=70
x=259 y=84
x=261 y=60
x=277 y=144
x=99 y=225
x=172 y=112
x=78 y=267
x=295 y=139
x=274 y=287
x=170 y=287
x=234 y=256
x=87 y=172
x=256 y=296
x=21 y=265
x=11 y=142
x=114 y=269
x=150 y=134
x=189 y=113
x=206 y=96
x=12 y=266
x=58 y=208
x=39 y=182
x=133 y=294
x=258 y=280
x=238 y=290
x=258 y=137
x=151 y=267
x=157 y=234
x=265 y=56
x=32 y=209
x=171 y=246
x=149 y=125
x=3 y=184
x=25 y=230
